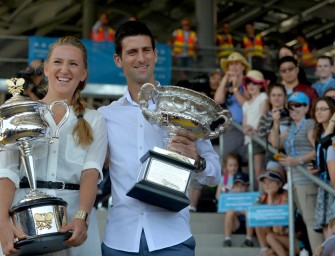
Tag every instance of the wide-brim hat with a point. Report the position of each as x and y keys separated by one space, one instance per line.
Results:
x=234 y=56
x=256 y=77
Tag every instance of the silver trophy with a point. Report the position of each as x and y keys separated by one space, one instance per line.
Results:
x=40 y=216
x=165 y=175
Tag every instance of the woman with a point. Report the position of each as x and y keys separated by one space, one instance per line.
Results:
x=298 y=142
x=322 y=113
x=276 y=99
x=76 y=157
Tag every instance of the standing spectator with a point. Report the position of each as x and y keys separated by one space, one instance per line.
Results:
x=324 y=70
x=75 y=158
x=330 y=93
x=184 y=42
x=323 y=114
x=298 y=142
x=232 y=94
x=253 y=46
x=288 y=69
x=277 y=100
x=101 y=31
x=235 y=221
x=225 y=41
x=134 y=227
x=306 y=54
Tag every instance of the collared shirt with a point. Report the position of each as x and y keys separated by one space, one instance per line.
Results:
x=322 y=87
x=130 y=136
x=63 y=160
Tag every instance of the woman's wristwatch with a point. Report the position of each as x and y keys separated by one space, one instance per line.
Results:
x=82 y=215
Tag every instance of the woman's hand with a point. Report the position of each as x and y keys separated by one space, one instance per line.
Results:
x=275 y=115
x=311 y=168
x=7 y=235
x=289 y=161
x=79 y=229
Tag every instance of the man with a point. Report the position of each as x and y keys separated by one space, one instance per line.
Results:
x=225 y=41
x=288 y=70
x=134 y=227
x=324 y=69
x=306 y=52
x=101 y=30
x=253 y=46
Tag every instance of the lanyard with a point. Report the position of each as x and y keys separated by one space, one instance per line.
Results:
x=322 y=171
x=289 y=142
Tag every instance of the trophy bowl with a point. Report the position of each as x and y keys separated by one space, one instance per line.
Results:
x=165 y=175
x=38 y=215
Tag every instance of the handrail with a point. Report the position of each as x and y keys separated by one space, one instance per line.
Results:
x=313 y=178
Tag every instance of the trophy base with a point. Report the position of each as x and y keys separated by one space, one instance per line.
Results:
x=42 y=244
x=158 y=195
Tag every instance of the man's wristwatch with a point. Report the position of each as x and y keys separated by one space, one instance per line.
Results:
x=200 y=164
x=82 y=215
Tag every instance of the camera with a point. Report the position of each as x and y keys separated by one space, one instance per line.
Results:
x=27 y=74
x=284 y=113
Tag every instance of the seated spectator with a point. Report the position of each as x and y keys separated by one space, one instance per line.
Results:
x=101 y=31
x=253 y=110
x=324 y=70
x=288 y=69
x=298 y=142
x=234 y=221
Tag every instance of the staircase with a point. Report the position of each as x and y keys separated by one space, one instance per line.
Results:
x=207 y=229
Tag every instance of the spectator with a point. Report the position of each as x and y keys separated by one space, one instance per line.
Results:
x=232 y=94
x=288 y=69
x=330 y=93
x=225 y=41
x=277 y=101
x=135 y=227
x=101 y=31
x=298 y=142
x=76 y=157
x=306 y=53
x=231 y=165
x=235 y=221
x=253 y=46
x=289 y=51
x=184 y=42
x=323 y=113
x=324 y=70
x=253 y=110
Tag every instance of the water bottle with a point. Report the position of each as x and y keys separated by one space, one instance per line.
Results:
x=304 y=252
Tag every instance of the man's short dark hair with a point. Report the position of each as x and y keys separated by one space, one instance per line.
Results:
x=131 y=28
x=287 y=59
x=325 y=57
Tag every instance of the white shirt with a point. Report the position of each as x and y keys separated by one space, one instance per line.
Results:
x=130 y=136
x=64 y=161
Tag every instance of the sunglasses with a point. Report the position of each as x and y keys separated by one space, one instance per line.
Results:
x=285 y=70
x=293 y=105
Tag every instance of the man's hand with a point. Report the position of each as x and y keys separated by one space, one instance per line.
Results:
x=184 y=143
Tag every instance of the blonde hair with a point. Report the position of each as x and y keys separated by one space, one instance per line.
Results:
x=82 y=131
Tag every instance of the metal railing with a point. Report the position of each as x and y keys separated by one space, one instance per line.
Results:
x=273 y=150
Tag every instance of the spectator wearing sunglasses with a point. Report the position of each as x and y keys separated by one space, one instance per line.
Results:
x=289 y=70
x=298 y=142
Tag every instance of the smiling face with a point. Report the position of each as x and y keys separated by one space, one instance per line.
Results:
x=65 y=69
x=231 y=166
x=324 y=68
x=137 y=60
x=289 y=72
x=297 y=111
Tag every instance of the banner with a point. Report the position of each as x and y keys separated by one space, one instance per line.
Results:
x=236 y=201
x=101 y=66
x=267 y=215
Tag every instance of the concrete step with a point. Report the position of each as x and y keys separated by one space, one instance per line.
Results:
x=215 y=251
x=216 y=240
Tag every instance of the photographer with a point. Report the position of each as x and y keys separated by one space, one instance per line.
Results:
x=34 y=78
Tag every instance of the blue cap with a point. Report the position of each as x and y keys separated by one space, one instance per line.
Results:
x=241 y=177
x=299 y=97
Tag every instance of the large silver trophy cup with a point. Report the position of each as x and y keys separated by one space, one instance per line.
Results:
x=165 y=175
x=40 y=216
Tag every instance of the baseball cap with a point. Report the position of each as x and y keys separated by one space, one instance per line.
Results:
x=272 y=175
x=299 y=97
x=241 y=177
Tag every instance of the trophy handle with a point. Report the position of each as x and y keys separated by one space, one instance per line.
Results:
x=220 y=125
x=147 y=93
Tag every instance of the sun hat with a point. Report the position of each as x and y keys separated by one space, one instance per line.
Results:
x=234 y=56
x=241 y=177
x=256 y=77
x=272 y=175
x=298 y=97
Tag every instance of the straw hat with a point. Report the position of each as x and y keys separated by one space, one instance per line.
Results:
x=256 y=77
x=235 y=56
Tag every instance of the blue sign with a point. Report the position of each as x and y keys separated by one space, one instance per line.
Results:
x=267 y=215
x=101 y=65
x=236 y=201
